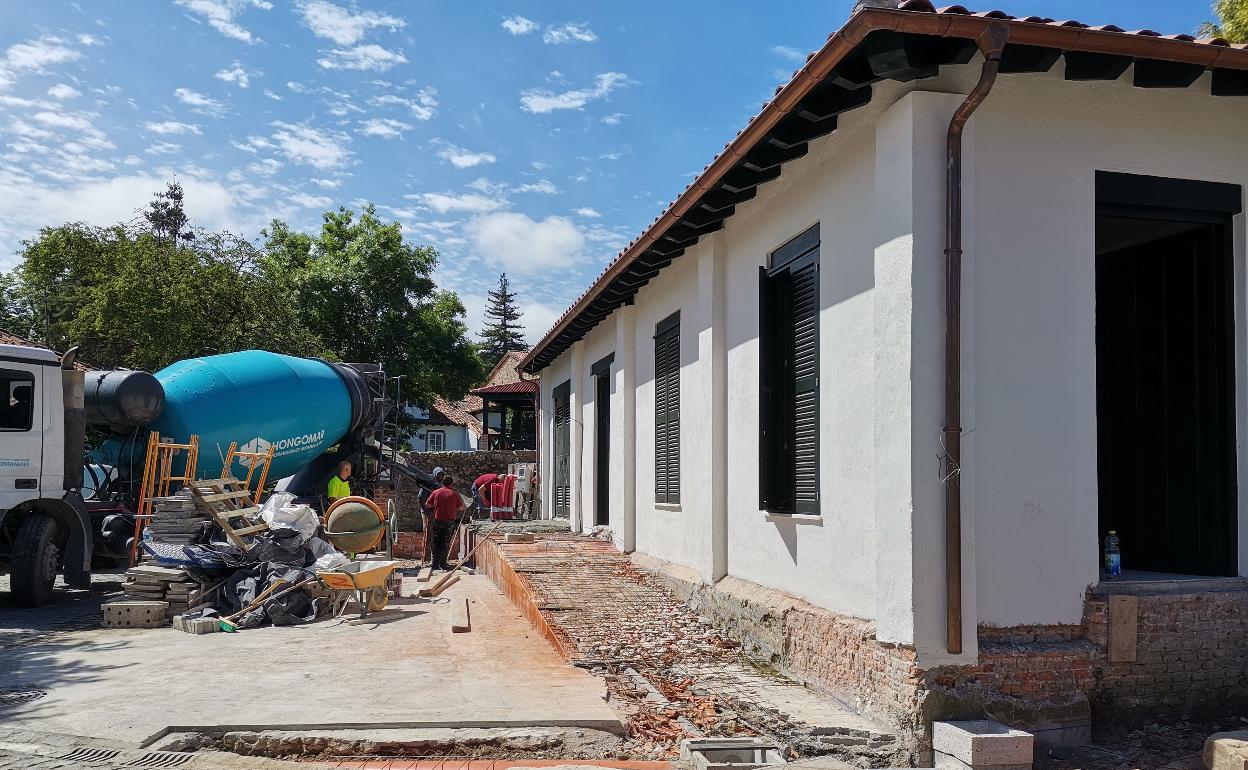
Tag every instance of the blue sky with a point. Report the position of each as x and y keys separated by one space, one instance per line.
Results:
x=533 y=138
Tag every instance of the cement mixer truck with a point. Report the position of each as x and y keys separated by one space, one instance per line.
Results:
x=61 y=507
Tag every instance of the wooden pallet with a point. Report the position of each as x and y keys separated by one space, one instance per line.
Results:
x=225 y=500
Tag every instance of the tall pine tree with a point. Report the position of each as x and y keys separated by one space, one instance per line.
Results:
x=502 y=332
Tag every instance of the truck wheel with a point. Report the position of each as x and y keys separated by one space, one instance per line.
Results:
x=36 y=559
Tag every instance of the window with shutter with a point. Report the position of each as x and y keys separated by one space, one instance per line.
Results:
x=563 y=443
x=667 y=410
x=789 y=377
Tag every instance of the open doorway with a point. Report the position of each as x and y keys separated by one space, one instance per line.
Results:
x=601 y=372
x=1165 y=370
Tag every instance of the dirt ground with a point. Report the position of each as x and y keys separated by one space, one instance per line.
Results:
x=1157 y=747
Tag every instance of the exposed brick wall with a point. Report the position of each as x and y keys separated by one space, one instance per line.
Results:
x=1191 y=658
x=1191 y=661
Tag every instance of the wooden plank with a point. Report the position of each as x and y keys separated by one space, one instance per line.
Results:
x=461 y=617
x=439 y=587
x=241 y=493
x=1123 y=614
x=261 y=527
x=425 y=574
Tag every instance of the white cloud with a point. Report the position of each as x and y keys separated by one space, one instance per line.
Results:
x=265 y=167
x=541 y=100
x=220 y=15
x=204 y=105
x=164 y=148
x=545 y=187
x=236 y=74
x=362 y=57
x=38 y=55
x=22 y=128
x=85 y=39
x=788 y=52
x=447 y=203
x=63 y=120
x=423 y=107
x=587 y=212
x=310 y=146
x=516 y=242
x=311 y=201
x=518 y=25
x=326 y=184
x=27 y=104
x=30 y=204
x=340 y=25
x=168 y=127
x=272 y=95
x=63 y=92
x=385 y=128
x=614 y=118
x=569 y=33
x=461 y=158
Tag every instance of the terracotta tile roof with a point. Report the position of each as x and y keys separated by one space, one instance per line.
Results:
x=12 y=339
x=913 y=17
x=520 y=386
x=505 y=370
x=445 y=412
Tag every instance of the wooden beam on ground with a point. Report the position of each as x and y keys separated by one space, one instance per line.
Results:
x=425 y=574
x=461 y=617
x=440 y=586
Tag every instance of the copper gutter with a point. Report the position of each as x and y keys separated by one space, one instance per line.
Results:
x=991 y=43
x=1064 y=36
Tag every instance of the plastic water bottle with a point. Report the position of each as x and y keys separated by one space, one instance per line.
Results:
x=1113 y=557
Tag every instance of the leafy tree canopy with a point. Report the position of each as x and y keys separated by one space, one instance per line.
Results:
x=1232 y=21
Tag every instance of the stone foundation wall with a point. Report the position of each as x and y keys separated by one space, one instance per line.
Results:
x=466 y=466
x=1057 y=681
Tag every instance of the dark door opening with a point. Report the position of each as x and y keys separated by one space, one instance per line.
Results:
x=602 y=449
x=563 y=443
x=1165 y=371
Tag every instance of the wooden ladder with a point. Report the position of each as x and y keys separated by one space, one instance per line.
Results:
x=158 y=478
x=253 y=462
x=226 y=499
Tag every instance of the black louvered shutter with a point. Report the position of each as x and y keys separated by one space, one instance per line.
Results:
x=789 y=377
x=667 y=410
x=563 y=444
x=804 y=291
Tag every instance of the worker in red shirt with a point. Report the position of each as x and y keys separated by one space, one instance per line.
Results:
x=481 y=490
x=445 y=505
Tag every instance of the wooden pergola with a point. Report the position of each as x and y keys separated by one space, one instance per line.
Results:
x=516 y=404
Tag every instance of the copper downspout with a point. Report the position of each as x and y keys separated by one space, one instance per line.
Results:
x=991 y=43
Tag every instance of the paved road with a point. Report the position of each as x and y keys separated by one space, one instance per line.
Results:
x=71 y=610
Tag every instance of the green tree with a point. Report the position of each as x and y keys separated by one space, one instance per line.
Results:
x=1232 y=23
x=502 y=332
x=369 y=296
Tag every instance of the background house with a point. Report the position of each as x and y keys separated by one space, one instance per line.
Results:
x=756 y=395
x=505 y=413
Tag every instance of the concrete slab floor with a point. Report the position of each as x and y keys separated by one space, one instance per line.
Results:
x=402 y=669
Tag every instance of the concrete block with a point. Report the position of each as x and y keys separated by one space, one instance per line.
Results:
x=729 y=753
x=983 y=743
x=135 y=614
x=946 y=762
x=518 y=537
x=1226 y=751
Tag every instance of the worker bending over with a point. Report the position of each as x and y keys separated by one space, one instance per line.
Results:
x=427 y=515
x=338 y=486
x=445 y=504
x=481 y=491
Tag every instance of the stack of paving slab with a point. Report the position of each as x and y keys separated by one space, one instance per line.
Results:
x=177 y=520
x=171 y=585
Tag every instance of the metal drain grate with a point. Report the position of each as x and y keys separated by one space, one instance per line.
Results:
x=16 y=696
x=161 y=759
x=89 y=755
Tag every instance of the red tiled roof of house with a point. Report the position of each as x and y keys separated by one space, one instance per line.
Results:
x=919 y=17
x=445 y=412
x=520 y=386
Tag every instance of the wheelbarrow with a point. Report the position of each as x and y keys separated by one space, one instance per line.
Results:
x=364 y=581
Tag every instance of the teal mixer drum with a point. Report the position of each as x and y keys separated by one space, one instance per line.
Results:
x=299 y=406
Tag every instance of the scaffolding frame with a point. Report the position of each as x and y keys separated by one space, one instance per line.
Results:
x=158 y=478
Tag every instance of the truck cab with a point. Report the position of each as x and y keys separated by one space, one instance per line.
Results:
x=44 y=524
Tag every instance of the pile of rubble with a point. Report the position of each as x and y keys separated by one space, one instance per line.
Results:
x=669 y=671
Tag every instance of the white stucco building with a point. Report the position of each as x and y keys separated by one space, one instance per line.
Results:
x=752 y=396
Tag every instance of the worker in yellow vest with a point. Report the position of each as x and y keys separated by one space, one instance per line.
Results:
x=338 y=485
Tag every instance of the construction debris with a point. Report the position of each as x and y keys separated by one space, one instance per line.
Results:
x=136 y=614
x=149 y=582
x=461 y=617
